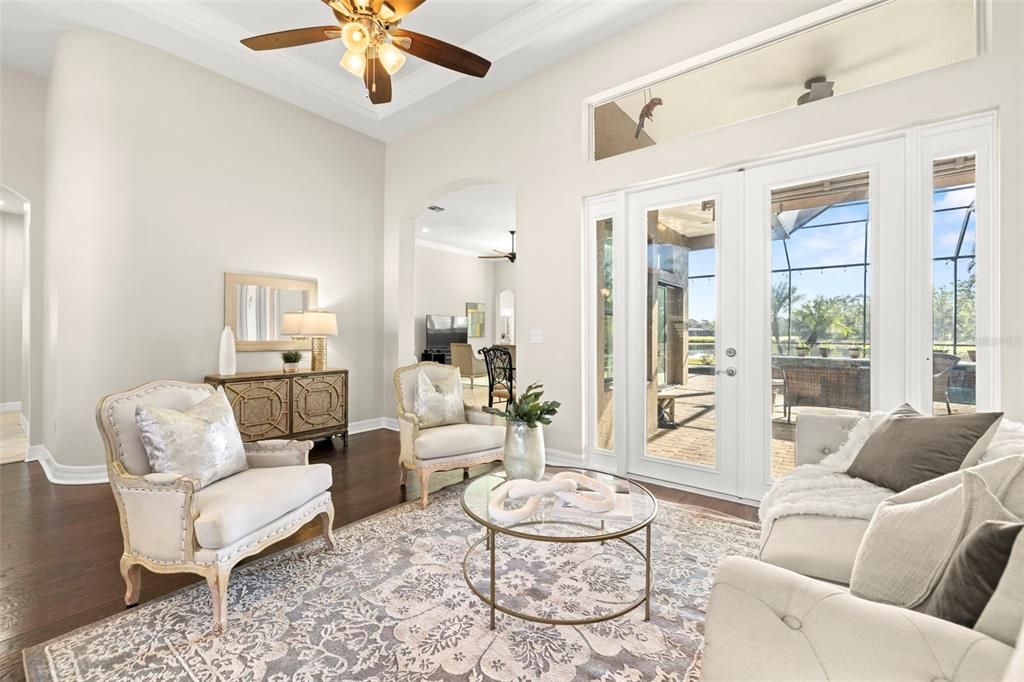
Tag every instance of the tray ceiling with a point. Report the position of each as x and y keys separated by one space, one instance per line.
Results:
x=519 y=37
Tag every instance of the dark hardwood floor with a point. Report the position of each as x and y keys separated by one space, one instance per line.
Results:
x=60 y=545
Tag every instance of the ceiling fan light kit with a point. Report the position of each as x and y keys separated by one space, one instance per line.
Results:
x=374 y=45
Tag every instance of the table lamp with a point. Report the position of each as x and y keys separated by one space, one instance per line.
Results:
x=318 y=324
x=291 y=323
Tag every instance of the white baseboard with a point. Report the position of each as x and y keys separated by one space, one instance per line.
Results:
x=23 y=423
x=364 y=425
x=64 y=474
x=561 y=458
x=14 y=406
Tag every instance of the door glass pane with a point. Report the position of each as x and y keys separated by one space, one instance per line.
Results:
x=953 y=286
x=820 y=332
x=681 y=304
x=605 y=380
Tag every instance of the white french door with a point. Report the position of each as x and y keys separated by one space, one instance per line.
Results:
x=824 y=297
x=722 y=308
x=684 y=261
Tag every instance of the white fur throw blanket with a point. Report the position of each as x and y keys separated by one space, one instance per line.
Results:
x=824 y=488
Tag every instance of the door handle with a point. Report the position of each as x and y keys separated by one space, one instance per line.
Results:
x=729 y=371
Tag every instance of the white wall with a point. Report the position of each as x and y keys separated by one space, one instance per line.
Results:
x=168 y=176
x=22 y=124
x=12 y=273
x=531 y=136
x=445 y=282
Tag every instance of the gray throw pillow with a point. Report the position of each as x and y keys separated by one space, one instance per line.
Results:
x=201 y=443
x=909 y=448
x=973 y=574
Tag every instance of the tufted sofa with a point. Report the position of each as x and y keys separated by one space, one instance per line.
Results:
x=170 y=526
x=818 y=546
x=773 y=620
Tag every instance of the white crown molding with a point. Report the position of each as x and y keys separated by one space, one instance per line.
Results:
x=64 y=474
x=497 y=42
x=438 y=246
x=338 y=87
x=214 y=30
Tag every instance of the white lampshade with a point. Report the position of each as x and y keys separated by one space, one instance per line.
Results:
x=291 y=323
x=318 y=323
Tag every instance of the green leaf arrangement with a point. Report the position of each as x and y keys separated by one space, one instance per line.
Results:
x=528 y=408
x=291 y=356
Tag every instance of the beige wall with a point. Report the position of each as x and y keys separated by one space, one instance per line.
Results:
x=445 y=282
x=22 y=123
x=168 y=176
x=531 y=135
x=12 y=274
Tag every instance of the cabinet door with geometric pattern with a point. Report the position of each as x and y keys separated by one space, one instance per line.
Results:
x=319 y=402
x=261 y=408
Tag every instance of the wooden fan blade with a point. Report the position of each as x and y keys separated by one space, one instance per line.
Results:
x=494 y=257
x=393 y=10
x=441 y=53
x=292 y=38
x=378 y=81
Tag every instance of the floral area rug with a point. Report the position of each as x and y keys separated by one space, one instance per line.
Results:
x=392 y=604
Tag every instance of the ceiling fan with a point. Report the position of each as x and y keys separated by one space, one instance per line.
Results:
x=511 y=255
x=375 y=46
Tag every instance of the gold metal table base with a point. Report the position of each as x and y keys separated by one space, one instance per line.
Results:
x=491 y=599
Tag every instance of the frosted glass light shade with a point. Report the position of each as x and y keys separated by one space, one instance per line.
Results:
x=291 y=323
x=391 y=58
x=354 y=63
x=318 y=323
x=355 y=36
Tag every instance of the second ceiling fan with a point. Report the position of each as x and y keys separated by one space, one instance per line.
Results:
x=375 y=46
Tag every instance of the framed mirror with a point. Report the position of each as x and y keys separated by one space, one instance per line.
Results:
x=254 y=306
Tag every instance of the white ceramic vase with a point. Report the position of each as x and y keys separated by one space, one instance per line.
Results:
x=227 y=365
x=524 y=451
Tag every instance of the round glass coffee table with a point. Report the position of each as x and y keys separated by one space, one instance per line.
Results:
x=552 y=522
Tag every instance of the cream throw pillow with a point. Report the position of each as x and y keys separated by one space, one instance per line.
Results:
x=202 y=443
x=441 y=403
x=909 y=543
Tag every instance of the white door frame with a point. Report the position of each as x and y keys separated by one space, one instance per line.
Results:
x=911 y=366
x=885 y=162
x=724 y=188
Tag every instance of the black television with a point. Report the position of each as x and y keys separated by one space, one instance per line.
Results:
x=443 y=331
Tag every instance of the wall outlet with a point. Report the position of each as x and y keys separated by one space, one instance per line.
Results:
x=536 y=336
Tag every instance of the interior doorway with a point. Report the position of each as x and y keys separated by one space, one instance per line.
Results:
x=15 y=353
x=464 y=293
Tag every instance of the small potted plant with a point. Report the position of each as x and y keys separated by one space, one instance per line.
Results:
x=825 y=349
x=853 y=351
x=291 y=360
x=802 y=349
x=524 y=436
x=973 y=355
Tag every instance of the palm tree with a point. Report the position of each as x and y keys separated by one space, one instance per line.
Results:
x=782 y=294
x=822 y=316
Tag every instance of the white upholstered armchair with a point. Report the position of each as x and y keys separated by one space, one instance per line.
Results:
x=442 y=448
x=171 y=527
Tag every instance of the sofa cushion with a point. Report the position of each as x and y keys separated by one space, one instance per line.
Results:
x=908 y=544
x=458 y=439
x=821 y=547
x=233 y=507
x=973 y=574
x=909 y=448
x=1003 y=616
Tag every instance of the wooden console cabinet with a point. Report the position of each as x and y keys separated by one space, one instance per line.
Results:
x=303 y=405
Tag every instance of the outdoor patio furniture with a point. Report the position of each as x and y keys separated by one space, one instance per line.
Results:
x=840 y=383
x=667 y=405
x=942 y=368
